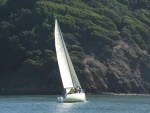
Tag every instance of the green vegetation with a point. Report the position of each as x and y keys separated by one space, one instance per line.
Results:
x=88 y=26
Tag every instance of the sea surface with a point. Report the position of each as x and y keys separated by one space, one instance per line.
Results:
x=94 y=104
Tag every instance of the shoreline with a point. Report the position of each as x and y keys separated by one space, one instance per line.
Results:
x=119 y=94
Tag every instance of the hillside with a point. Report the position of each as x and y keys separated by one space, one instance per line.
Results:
x=108 y=41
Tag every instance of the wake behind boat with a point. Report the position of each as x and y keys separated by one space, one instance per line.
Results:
x=72 y=88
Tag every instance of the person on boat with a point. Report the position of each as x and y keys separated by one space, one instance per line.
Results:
x=64 y=93
x=80 y=90
x=72 y=90
x=77 y=89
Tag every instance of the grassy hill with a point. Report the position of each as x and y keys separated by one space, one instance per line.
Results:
x=108 y=41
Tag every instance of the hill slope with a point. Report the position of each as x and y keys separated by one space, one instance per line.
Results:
x=108 y=41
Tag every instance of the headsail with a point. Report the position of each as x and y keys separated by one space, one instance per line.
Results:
x=66 y=68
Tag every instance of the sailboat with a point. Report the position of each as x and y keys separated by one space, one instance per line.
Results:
x=72 y=88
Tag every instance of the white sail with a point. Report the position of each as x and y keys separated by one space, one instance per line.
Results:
x=61 y=57
x=68 y=75
x=72 y=72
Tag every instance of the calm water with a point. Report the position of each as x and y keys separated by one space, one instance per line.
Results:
x=94 y=104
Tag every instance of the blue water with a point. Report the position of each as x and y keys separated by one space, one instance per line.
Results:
x=94 y=104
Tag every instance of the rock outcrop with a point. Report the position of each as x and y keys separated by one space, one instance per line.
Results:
x=122 y=72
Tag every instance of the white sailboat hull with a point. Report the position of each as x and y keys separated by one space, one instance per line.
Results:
x=75 y=97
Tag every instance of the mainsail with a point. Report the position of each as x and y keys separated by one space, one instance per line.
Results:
x=67 y=72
